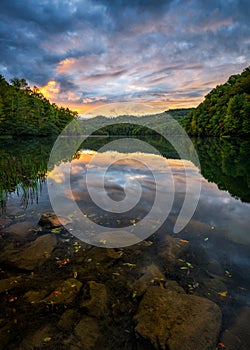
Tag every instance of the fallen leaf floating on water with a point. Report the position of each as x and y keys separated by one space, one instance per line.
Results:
x=12 y=299
x=242 y=288
x=221 y=345
x=206 y=239
x=134 y=294
x=63 y=262
x=129 y=264
x=187 y=267
x=77 y=247
x=183 y=241
x=56 y=292
x=133 y=222
x=223 y=294
x=103 y=241
x=228 y=274
x=56 y=230
x=46 y=339
x=20 y=216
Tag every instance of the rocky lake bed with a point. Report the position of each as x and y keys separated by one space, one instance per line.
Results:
x=58 y=292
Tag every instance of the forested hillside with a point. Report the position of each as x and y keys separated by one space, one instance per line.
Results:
x=25 y=111
x=225 y=110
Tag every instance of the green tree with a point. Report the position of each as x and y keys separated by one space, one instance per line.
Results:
x=24 y=111
x=225 y=110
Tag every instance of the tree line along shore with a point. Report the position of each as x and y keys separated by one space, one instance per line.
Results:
x=224 y=112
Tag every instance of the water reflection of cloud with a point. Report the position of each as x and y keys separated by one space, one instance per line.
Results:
x=126 y=172
x=218 y=208
x=58 y=173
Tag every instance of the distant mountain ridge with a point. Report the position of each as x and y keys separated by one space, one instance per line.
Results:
x=127 y=125
x=225 y=110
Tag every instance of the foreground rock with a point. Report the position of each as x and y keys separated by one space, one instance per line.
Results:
x=87 y=335
x=104 y=255
x=21 y=228
x=65 y=293
x=35 y=296
x=170 y=250
x=178 y=321
x=38 y=339
x=4 y=221
x=9 y=283
x=238 y=336
x=35 y=254
x=151 y=275
x=96 y=304
x=50 y=220
x=67 y=320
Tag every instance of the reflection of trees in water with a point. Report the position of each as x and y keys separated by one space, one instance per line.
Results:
x=157 y=141
x=23 y=167
x=23 y=163
x=226 y=163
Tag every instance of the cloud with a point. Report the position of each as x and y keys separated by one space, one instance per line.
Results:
x=107 y=50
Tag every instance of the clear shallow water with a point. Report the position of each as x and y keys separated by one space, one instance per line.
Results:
x=214 y=265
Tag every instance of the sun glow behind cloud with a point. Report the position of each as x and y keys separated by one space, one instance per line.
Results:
x=50 y=90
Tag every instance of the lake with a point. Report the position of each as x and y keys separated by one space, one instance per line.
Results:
x=84 y=282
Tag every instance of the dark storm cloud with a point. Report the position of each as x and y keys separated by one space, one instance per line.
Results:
x=126 y=13
x=25 y=25
x=108 y=75
x=117 y=50
x=66 y=84
x=52 y=16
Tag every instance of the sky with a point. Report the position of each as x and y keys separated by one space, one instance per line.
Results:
x=83 y=54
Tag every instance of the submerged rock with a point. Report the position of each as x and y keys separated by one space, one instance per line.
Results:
x=35 y=254
x=4 y=221
x=238 y=336
x=50 y=220
x=197 y=227
x=86 y=336
x=178 y=321
x=104 y=255
x=67 y=320
x=65 y=293
x=173 y=286
x=35 y=296
x=5 y=335
x=151 y=275
x=171 y=249
x=38 y=339
x=96 y=304
x=214 y=284
x=9 y=283
x=21 y=228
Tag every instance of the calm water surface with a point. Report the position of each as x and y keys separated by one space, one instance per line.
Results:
x=214 y=256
